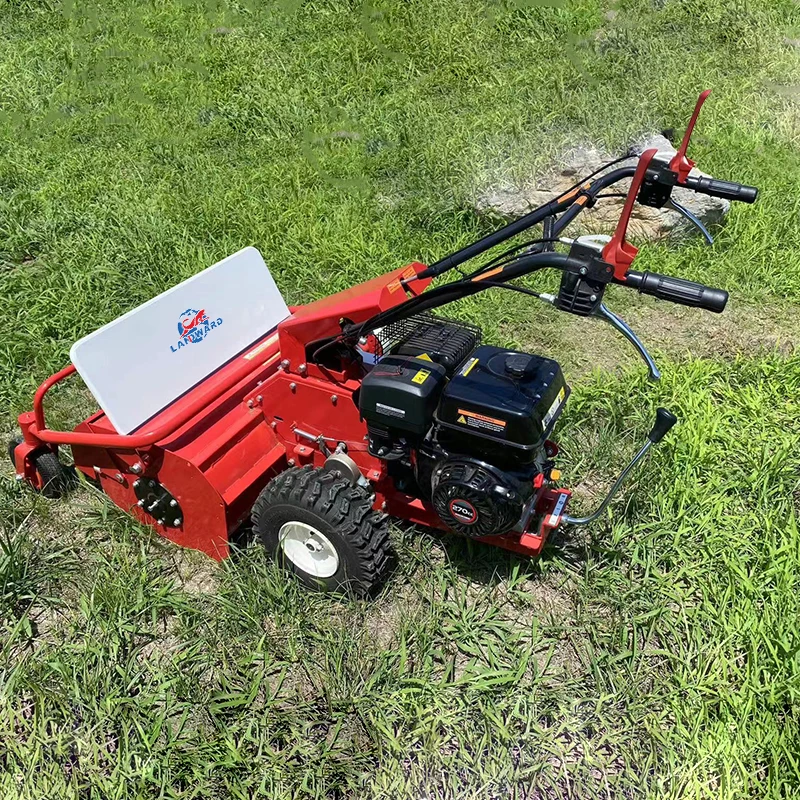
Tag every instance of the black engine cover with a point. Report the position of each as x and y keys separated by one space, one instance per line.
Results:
x=474 y=498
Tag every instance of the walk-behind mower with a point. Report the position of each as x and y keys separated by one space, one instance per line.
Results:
x=320 y=421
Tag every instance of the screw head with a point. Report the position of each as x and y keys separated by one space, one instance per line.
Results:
x=285 y=363
x=140 y=503
x=160 y=521
x=302 y=369
x=293 y=386
x=593 y=297
x=173 y=503
x=177 y=522
x=250 y=403
x=259 y=399
x=291 y=462
x=334 y=398
x=136 y=469
x=582 y=270
x=273 y=425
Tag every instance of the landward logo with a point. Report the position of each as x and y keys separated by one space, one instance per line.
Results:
x=193 y=327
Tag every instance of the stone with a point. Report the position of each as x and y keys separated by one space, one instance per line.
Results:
x=510 y=202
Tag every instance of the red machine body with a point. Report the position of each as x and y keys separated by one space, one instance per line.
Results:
x=215 y=448
x=195 y=470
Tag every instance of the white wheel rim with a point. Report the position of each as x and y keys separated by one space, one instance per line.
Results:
x=308 y=549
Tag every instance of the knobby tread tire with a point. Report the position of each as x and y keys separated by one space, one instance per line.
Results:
x=339 y=510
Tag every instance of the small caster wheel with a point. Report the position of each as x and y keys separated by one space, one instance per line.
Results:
x=54 y=479
x=323 y=528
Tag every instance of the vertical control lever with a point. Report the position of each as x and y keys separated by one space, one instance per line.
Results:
x=663 y=423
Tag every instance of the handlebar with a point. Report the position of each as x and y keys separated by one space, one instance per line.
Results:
x=678 y=290
x=727 y=190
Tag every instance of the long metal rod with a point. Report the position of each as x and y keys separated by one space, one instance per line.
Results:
x=614 y=489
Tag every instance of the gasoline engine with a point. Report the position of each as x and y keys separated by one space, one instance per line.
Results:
x=461 y=424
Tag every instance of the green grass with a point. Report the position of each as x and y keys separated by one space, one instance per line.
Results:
x=655 y=655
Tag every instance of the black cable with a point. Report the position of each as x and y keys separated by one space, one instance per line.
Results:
x=547 y=239
x=508 y=252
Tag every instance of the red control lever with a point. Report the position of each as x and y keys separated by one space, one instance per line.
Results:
x=618 y=252
x=680 y=164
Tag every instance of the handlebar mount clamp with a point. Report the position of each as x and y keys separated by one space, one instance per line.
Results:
x=584 y=282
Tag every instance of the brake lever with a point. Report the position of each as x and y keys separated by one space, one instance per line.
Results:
x=692 y=217
x=604 y=313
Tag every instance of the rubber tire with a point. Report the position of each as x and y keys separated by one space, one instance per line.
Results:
x=56 y=478
x=340 y=511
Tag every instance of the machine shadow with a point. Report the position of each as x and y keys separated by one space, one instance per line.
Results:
x=485 y=563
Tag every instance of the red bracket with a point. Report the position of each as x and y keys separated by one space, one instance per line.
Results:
x=680 y=164
x=618 y=252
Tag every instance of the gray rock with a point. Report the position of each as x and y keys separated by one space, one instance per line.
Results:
x=511 y=202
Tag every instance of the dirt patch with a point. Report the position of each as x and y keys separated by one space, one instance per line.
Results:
x=196 y=572
x=582 y=345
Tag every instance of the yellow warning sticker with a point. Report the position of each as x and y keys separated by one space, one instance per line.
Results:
x=481 y=421
x=424 y=357
x=466 y=369
x=462 y=419
x=421 y=376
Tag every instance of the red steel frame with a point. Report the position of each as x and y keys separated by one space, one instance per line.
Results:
x=217 y=446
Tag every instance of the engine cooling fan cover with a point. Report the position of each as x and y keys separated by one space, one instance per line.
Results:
x=475 y=499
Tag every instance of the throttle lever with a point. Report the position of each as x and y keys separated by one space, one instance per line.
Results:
x=603 y=312
x=692 y=217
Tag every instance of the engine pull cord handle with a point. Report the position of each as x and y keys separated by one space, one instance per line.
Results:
x=663 y=423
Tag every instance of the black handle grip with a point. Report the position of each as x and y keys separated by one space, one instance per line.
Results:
x=677 y=290
x=664 y=421
x=727 y=190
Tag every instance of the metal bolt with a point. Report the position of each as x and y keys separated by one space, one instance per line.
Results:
x=274 y=425
x=152 y=506
x=334 y=398
x=582 y=270
x=302 y=369
x=259 y=399
x=119 y=478
x=383 y=506
x=285 y=363
x=140 y=503
x=96 y=468
x=250 y=403
x=136 y=469
x=173 y=503
x=593 y=298
x=291 y=462
x=293 y=386
x=19 y=477
x=177 y=522
x=136 y=483
x=160 y=521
